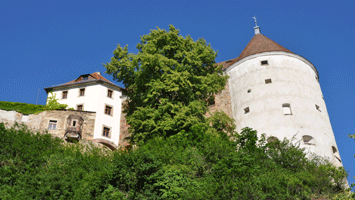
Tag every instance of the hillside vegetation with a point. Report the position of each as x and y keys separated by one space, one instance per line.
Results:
x=193 y=165
x=26 y=108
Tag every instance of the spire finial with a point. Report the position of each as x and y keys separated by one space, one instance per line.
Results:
x=255 y=21
x=256 y=28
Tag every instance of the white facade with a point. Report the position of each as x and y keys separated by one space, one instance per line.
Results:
x=289 y=105
x=95 y=99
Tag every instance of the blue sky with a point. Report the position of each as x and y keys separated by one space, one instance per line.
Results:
x=44 y=43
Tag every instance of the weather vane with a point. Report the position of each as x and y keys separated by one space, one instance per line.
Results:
x=255 y=21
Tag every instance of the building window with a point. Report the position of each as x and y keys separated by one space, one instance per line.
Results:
x=79 y=107
x=334 y=149
x=85 y=78
x=264 y=62
x=106 y=132
x=74 y=123
x=82 y=92
x=65 y=94
x=52 y=124
x=108 y=110
x=309 y=140
x=109 y=93
x=249 y=90
x=246 y=110
x=268 y=81
x=286 y=107
x=317 y=107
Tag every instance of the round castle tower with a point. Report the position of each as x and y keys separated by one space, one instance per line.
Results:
x=277 y=92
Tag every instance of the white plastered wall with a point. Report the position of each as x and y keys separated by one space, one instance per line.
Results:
x=294 y=81
x=95 y=99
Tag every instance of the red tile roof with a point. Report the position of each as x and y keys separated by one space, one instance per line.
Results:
x=258 y=44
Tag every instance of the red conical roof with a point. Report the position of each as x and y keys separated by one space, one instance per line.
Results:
x=258 y=44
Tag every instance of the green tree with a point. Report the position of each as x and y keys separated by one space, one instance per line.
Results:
x=168 y=83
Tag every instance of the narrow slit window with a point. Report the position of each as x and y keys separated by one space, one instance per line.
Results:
x=74 y=123
x=264 y=62
x=249 y=90
x=334 y=149
x=317 y=107
x=286 y=108
x=246 y=110
x=268 y=81
x=309 y=140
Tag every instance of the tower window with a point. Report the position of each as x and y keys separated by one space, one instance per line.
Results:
x=264 y=62
x=317 y=107
x=246 y=110
x=309 y=140
x=334 y=149
x=268 y=81
x=286 y=108
x=249 y=90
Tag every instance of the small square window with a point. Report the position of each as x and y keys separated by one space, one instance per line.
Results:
x=246 y=110
x=286 y=107
x=79 y=107
x=317 y=107
x=85 y=78
x=82 y=92
x=108 y=110
x=52 y=124
x=268 y=81
x=109 y=93
x=65 y=94
x=264 y=62
x=106 y=132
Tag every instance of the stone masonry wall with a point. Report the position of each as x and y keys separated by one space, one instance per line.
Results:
x=39 y=122
x=222 y=102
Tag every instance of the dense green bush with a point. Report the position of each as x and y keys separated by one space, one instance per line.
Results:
x=194 y=165
x=25 y=108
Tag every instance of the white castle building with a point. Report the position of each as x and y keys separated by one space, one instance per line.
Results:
x=94 y=93
x=277 y=92
x=270 y=89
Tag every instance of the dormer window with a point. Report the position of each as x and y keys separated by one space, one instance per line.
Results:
x=85 y=78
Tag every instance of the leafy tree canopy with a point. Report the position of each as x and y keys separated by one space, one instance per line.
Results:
x=168 y=83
